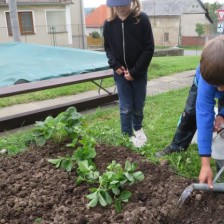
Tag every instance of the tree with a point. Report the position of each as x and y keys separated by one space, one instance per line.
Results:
x=212 y=10
x=199 y=29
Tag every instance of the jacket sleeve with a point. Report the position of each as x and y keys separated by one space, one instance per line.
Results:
x=147 y=54
x=205 y=116
x=113 y=63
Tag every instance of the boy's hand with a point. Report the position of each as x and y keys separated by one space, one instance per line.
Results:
x=128 y=76
x=120 y=70
x=219 y=121
x=206 y=174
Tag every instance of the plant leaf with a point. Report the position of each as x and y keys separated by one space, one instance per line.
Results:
x=56 y=162
x=139 y=176
x=118 y=206
x=79 y=180
x=67 y=165
x=129 y=176
x=108 y=198
x=94 y=201
x=116 y=190
x=125 y=195
x=102 y=200
x=83 y=165
x=92 y=195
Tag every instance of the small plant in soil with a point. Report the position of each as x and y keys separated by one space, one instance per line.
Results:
x=111 y=184
x=59 y=128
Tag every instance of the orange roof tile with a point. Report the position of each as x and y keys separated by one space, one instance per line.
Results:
x=97 y=17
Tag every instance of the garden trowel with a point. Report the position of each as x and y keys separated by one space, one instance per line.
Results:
x=218 y=155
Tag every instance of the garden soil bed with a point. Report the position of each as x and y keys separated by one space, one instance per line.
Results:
x=32 y=191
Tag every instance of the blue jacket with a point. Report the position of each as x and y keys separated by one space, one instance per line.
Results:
x=205 y=113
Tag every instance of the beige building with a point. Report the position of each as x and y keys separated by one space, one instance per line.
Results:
x=174 y=21
x=50 y=22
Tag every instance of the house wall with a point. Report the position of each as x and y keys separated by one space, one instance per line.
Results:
x=178 y=18
x=72 y=38
x=78 y=32
x=189 y=21
x=165 y=24
x=40 y=35
x=188 y=26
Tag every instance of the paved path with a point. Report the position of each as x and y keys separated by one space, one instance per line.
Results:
x=172 y=82
x=192 y=52
x=154 y=87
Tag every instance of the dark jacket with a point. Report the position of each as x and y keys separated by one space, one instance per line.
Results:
x=135 y=39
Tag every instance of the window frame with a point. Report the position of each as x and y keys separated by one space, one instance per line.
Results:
x=21 y=28
x=166 y=36
x=48 y=26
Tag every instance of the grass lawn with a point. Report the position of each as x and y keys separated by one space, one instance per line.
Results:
x=161 y=117
x=194 y=48
x=160 y=66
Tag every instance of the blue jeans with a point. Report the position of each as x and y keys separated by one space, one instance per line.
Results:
x=187 y=125
x=132 y=96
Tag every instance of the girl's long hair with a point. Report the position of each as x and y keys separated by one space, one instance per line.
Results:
x=136 y=9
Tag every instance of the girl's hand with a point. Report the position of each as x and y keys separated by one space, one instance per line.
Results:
x=128 y=76
x=120 y=70
x=218 y=121
x=206 y=174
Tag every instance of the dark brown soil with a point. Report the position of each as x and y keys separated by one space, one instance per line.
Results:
x=33 y=191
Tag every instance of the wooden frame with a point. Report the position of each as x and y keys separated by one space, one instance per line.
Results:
x=30 y=117
x=20 y=23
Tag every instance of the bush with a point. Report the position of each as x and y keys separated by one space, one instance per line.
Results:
x=95 y=34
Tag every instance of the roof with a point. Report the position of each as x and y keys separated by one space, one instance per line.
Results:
x=162 y=7
x=173 y=8
x=97 y=17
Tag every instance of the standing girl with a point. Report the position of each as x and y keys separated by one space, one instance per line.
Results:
x=129 y=46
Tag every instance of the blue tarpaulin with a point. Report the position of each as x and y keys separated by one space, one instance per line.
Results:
x=39 y=62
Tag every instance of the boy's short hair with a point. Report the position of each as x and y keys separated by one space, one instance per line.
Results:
x=212 y=61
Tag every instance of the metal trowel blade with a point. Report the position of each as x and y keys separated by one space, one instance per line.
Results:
x=185 y=194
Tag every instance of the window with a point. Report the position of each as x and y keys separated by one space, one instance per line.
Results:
x=56 y=22
x=25 y=23
x=166 y=37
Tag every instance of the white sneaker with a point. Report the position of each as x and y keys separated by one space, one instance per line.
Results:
x=141 y=135
x=137 y=142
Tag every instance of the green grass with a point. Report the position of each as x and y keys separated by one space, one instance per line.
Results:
x=192 y=47
x=183 y=47
x=160 y=66
x=163 y=66
x=161 y=47
x=161 y=117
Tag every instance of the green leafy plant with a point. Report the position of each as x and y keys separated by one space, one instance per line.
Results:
x=63 y=162
x=84 y=152
x=38 y=220
x=87 y=172
x=95 y=34
x=113 y=181
x=58 y=128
